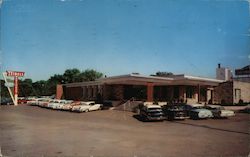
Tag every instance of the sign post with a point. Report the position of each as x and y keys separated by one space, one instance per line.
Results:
x=14 y=74
x=15 y=89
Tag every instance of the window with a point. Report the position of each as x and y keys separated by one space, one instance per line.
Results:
x=190 y=92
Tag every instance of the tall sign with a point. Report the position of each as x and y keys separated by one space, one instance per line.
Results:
x=14 y=74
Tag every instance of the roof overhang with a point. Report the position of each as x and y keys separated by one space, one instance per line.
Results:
x=134 y=79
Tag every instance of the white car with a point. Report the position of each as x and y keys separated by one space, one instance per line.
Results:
x=90 y=107
x=68 y=107
x=53 y=103
x=32 y=101
x=219 y=111
x=42 y=102
x=63 y=103
x=76 y=108
x=87 y=106
x=198 y=111
x=59 y=105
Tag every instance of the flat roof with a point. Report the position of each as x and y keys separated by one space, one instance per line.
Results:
x=137 y=79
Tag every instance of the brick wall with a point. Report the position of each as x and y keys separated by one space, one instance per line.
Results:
x=84 y=93
x=118 y=92
x=224 y=92
x=244 y=91
x=113 y=92
x=106 y=92
x=73 y=93
x=59 y=91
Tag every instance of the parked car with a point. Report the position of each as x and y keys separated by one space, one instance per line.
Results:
x=150 y=112
x=22 y=100
x=53 y=103
x=61 y=104
x=175 y=112
x=32 y=101
x=68 y=107
x=87 y=106
x=219 y=111
x=58 y=105
x=43 y=102
x=197 y=111
x=92 y=107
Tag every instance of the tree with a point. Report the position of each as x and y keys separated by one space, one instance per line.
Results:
x=26 y=88
x=48 y=87
x=52 y=82
x=90 y=75
x=3 y=90
x=41 y=88
x=71 y=75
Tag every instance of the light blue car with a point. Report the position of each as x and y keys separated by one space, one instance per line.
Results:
x=197 y=111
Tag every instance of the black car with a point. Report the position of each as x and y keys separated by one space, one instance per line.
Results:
x=175 y=112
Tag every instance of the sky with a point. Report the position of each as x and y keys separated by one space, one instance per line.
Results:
x=116 y=37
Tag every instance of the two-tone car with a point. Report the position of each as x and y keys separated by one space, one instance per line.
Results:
x=219 y=111
x=90 y=107
x=151 y=112
x=32 y=101
x=53 y=103
x=60 y=105
x=198 y=111
x=87 y=106
x=76 y=108
x=68 y=107
x=43 y=102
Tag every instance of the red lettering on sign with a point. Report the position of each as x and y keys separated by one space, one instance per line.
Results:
x=15 y=73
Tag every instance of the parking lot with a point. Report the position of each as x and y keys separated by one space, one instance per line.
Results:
x=33 y=131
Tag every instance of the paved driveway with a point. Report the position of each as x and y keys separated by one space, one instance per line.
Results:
x=33 y=131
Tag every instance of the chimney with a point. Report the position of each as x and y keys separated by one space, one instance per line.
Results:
x=219 y=65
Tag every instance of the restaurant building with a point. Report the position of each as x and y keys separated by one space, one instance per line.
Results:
x=225 y=89
x=181 y=88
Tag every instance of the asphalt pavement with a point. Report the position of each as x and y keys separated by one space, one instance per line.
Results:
x=34 y=131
